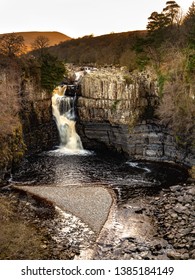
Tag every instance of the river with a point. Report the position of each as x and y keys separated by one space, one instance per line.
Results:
x=127 y=178
x=104 y=190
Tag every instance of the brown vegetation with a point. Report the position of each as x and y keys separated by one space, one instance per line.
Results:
x=29 y=228
x=175 y=68
x=18 y=239
x=9 y=96
x=115 y=48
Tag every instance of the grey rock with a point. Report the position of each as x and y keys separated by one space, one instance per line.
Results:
x=175 y=188
x=174 y=255
x=191 y=191
x=179 y=208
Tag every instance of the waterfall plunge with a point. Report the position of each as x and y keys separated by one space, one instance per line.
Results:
x=63 y=108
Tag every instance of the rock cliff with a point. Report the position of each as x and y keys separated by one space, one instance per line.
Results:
x=118 y=109
x=26 y=121
x=39 y=130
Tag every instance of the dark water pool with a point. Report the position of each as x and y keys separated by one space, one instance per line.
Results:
x=127 y=178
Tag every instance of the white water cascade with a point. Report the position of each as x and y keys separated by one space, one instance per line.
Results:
x=63 y=108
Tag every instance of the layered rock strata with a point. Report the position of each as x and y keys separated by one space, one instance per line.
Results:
x=39 y=129
x=118 y=110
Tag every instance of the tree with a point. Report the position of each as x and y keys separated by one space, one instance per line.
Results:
x=163 y=31
x=12 y=45
x=157 y=22
x=190 y=16
x=169 y=16
x=40 y=43
x=189 y=25
x=171 y=11
x=52 y=71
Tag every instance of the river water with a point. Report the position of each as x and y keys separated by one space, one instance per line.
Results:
x=131 y=183
x=128 y=179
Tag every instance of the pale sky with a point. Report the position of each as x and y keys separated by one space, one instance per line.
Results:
x=77 y=18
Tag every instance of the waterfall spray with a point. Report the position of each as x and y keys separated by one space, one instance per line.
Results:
x=63 y=108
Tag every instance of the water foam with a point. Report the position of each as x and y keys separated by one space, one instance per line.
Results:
x=63 y=108
x=61 y=151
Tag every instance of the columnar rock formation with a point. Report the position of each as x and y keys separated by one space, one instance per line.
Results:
x=118 y=109
x=114 y=96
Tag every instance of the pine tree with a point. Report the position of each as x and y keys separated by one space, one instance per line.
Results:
x=157 y=22
x=189 y=25
x=168 y=17
x=190 y=16
x=171 y=11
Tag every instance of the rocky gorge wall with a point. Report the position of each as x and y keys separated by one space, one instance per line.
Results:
x=27 y=124
x=39 y=129
x=118 y=109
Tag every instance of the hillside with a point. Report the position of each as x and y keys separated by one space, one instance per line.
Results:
x=114 y=48
x=53 y=36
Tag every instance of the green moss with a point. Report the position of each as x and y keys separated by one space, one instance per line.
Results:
x=132 y=122
x=128 y=80
x=17 y=145
x=114 y=105
x=161 y=82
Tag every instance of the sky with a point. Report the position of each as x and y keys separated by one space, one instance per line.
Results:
x=77 y=18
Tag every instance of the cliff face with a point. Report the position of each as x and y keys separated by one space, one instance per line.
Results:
x=117 y=109
x=26 y=124
x=39 y=129
x=114 y=96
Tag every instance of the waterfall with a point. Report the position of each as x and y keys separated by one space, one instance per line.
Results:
x=63 y=108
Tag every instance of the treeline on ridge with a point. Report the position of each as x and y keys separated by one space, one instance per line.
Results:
x=110 y=49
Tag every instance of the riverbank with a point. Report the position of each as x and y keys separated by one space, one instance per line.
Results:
x=155 y=227
x=33 y=228
x=159 y=227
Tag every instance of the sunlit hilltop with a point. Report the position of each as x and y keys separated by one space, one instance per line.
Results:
x=53 y=36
